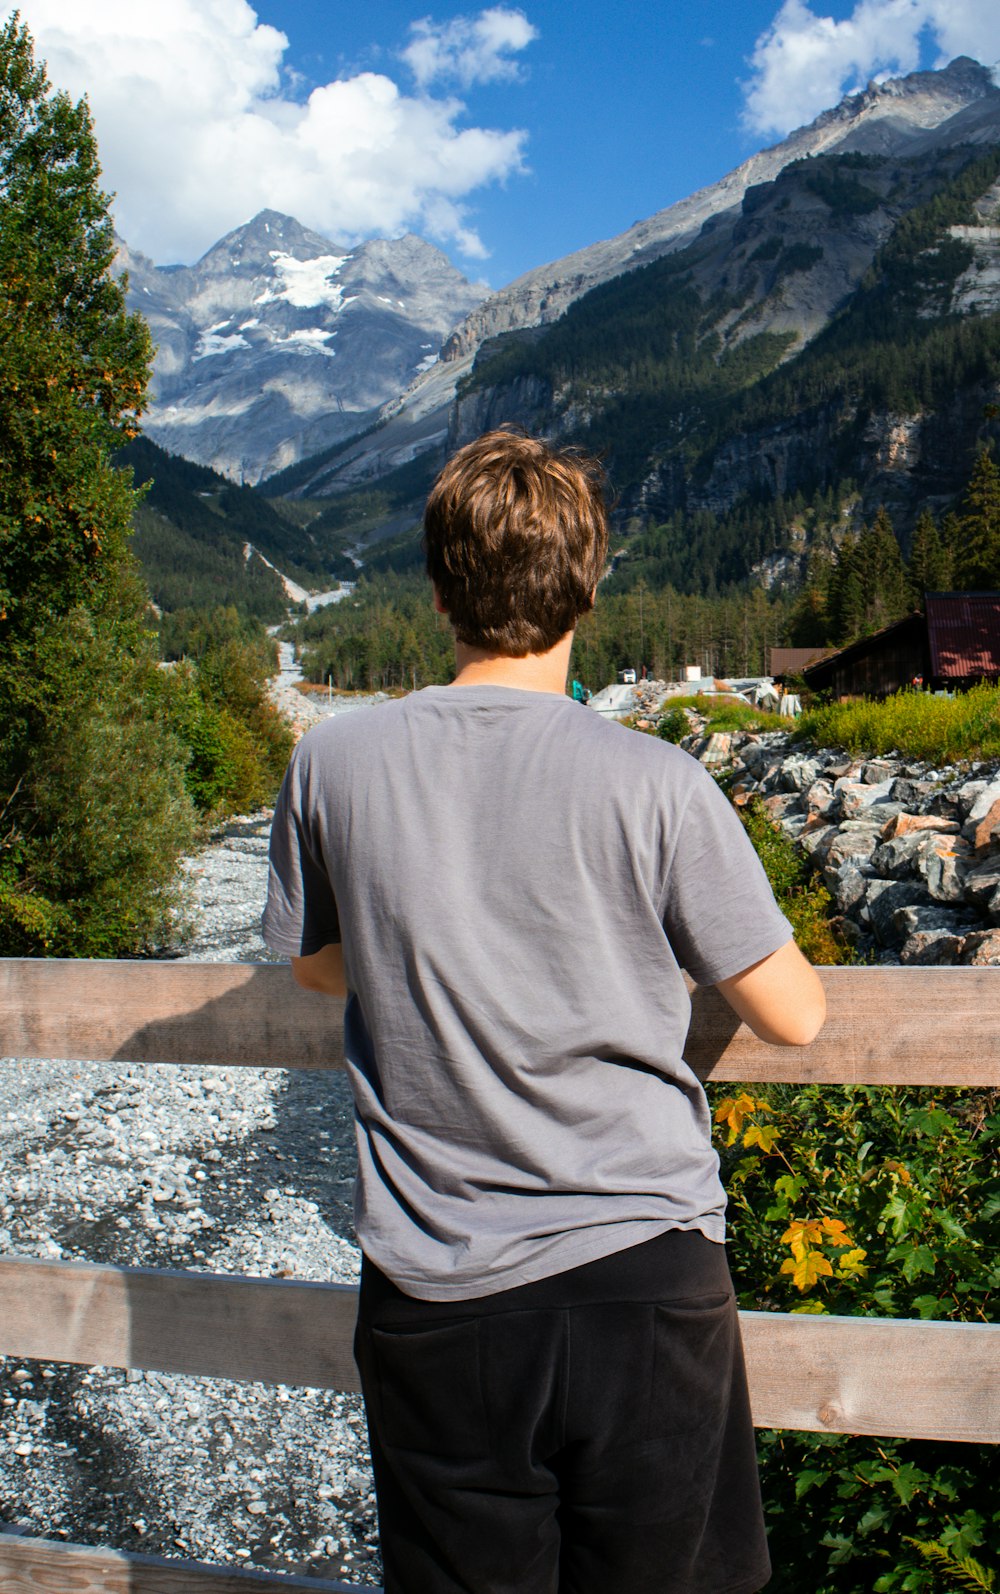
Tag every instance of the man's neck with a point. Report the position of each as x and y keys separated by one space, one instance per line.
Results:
x=536 y=672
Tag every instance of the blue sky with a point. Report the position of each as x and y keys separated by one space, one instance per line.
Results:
x=510 y=134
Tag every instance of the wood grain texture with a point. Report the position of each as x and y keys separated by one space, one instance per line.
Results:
x=827 y=1374
x=233 y=1014
x=870 y=1375
x=278 y=1331
x=936 y=1026
x=45 y=1566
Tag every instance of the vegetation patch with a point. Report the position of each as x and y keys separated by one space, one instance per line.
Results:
x=864 y=1201
x=916 y=724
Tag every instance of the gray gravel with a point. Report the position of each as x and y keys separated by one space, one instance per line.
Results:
x=230 y=1170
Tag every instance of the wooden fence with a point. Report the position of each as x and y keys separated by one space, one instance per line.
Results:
x=828 y=1374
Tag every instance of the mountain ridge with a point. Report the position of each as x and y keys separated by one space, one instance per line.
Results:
x=278 y=342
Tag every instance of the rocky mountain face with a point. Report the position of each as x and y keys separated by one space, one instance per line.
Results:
x=278 y=343
x=891 y=118
x=902 y=121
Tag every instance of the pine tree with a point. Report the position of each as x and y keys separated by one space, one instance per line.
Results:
x=931 y=564
x=979 y=559
x=90 y=780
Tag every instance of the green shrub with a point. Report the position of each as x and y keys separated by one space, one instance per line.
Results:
x=673 y=726
x=864 y=1201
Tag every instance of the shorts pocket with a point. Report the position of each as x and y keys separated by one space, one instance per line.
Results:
x=694 y=1345
x=428 y=1389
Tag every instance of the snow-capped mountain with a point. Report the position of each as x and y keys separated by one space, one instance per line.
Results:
x=278 y=343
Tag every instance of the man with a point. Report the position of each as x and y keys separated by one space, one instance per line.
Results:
x=506 y=888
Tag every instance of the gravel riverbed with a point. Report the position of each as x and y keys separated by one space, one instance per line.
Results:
x=228 y=1170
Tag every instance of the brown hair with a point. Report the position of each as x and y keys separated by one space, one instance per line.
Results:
x=515 y=535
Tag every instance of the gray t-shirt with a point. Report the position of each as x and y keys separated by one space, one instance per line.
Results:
x=517 y=884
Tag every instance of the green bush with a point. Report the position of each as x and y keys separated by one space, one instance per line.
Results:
x=88 y=865
x=673 y=726
x=237 y=742
x=864 y=1201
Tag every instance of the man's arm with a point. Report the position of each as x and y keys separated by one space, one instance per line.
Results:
x=781 y=998
x=322 y=970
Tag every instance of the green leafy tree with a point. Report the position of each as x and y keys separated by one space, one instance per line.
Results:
x=91 y=778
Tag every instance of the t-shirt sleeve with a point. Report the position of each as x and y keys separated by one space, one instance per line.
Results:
x=718 y=909
x=301 y=913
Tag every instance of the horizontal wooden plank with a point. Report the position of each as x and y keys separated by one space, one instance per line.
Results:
x=827 y=1374
x=936 y=1026
x=46 y=1566
x=234 y=1014
x=870 y=1375
x=217 y=1325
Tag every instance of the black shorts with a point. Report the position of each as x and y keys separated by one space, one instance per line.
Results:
x=588 y=1433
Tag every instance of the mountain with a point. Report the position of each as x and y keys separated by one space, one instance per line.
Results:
x=901 y=121
x=204 y=542
x=277 y=342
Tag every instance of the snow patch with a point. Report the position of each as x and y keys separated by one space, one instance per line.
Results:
x=305 y=284
x=211 y=343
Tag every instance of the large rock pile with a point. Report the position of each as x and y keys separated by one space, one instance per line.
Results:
x=909 y=852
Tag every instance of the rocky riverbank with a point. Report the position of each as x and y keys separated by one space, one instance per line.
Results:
x=910 y=853
x=228 y=1170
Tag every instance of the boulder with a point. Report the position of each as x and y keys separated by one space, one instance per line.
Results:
x=852 y=845
x=780 y=803
x=943 y=863
x=931 y=947
x=902 y=824
x=856 y=795
x=981 y=947
x=912 y=793
x=898 y=859
x=984 y=833
x=982 y=886
x=924 y=918
x=714 y=749
x=798 y=772
x=820 y=800
x=816 y=838
x=849 y=892
x=882 y=898
x=979 y=797
x=879 y=770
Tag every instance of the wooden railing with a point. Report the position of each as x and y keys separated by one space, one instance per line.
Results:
x=910 y=1379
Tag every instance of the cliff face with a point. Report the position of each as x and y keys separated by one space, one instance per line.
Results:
x=956 y=105
x=906 y=119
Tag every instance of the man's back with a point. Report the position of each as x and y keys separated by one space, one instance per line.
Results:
x=502 y=866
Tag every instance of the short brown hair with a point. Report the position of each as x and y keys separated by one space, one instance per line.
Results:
x=516 y=536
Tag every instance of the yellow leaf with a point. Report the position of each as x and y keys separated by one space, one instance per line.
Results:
x=761 y=1135
x=732 y=1113
x=852 y=1263
x=803 y=1232
x=807 y=1270
x=836 y=1232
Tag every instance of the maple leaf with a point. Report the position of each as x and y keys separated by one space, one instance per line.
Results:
x=807 y=1270
x=733 y=1110
x=836 y=1232
x=762 y=1135
x=851 y=1264
x=802 y=1234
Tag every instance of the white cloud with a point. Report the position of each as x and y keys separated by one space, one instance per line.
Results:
x=197 y=133
x=468 y=50
x=805 y=61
